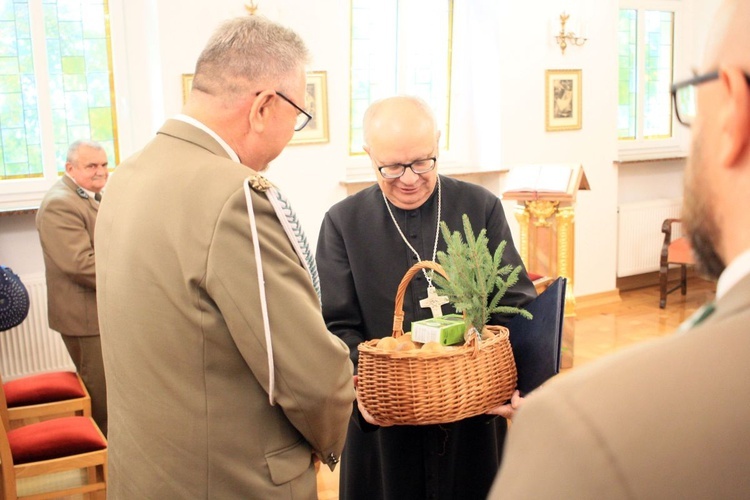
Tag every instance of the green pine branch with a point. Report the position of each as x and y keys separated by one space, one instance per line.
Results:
x=474 y=274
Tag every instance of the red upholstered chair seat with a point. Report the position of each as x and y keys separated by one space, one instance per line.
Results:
x=534 y=276
x=54 y=439
x=540 y=281
x=42 y=388
x=679 y=252
x=55 y=444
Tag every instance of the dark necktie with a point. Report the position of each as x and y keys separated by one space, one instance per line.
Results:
x=98 y=196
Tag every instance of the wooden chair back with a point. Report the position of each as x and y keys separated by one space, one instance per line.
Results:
x=3 y=408
x=674 y=251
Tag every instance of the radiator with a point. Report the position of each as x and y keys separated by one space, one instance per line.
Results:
x=639 y=236
x=32 y=346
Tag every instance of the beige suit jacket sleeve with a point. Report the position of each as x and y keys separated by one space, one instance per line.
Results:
x=553 y=452
x=313 y=372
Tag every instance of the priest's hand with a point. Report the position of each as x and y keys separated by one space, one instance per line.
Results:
x=508 y=410
x=366 y=414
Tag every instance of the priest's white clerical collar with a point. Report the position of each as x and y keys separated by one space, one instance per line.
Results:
x=89 y=194
x=734 y=272
x=192 y=121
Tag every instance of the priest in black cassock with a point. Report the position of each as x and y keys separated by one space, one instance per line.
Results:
x=367 y=243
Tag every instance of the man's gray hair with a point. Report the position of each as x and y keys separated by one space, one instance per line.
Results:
x=248 y=49
x=72 y=155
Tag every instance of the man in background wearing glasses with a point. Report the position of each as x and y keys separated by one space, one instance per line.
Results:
x=669 y=419
x=223 y=380
x=367 y=243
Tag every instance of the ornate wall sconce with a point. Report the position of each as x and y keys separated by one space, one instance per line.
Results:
x=251 y=7
x=564 y=38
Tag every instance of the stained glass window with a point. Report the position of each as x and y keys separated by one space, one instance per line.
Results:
x=627 y=32
x=657 y=105
x=646 y=62
x=20 y=137
x=56 y=89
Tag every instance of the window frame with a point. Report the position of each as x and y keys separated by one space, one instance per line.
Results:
x=359 y=165
x=676 y=146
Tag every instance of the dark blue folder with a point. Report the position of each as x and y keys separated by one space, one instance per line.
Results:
x=537 y=342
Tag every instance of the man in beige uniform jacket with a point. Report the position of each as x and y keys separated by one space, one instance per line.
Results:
x=669 y=419
x=203 y=403
x=66 y=221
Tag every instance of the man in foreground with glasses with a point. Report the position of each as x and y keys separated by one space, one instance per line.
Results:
x=367 y=243
x=668 y=419
x=223 y=379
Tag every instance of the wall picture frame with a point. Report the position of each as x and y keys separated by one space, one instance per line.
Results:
x=187 y=84
x=316 y=103
x=563 y=106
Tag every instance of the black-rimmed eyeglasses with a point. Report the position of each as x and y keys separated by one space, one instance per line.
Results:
x=683 y=96
x=397 y=169
x=303 y=117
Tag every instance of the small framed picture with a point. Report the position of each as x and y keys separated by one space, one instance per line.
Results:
x=316 y=103
x=187 y=84
x=562 y=99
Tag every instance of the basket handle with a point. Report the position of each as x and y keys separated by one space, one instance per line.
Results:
x=398 y=314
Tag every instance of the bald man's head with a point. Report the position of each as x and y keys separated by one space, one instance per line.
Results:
x=729 y=38
x=716 y=210
x=400 y=132
x=395 y=116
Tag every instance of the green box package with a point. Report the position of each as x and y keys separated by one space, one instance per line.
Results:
x=447 y=330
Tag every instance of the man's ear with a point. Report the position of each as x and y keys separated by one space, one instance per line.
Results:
x=261 y=111
x=68 y=166
x=735 y=116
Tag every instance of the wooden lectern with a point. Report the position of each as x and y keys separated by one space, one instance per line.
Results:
x=545 y=211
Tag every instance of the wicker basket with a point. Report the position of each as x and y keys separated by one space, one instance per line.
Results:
x=413 y=388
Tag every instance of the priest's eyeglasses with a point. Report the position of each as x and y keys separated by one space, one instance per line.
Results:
x=303 y=117
x=683 y=95
x=397 y=169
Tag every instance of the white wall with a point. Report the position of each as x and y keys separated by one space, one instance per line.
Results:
x=527 y=50
x=19 y=245
x=309 y=175
x=502 y=50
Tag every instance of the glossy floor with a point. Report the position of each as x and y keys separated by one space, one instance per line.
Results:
x=604 y=329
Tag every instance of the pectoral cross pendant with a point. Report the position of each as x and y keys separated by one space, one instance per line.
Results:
x=434 y=301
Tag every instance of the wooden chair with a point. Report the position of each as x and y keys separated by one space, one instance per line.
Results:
x=674 y=251
x=43 y=396
x=51 y=446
